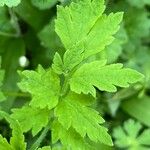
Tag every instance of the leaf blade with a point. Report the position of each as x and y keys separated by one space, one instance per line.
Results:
x=71 y=112
x=31 y=118
x=43 y=86
x=103 y=77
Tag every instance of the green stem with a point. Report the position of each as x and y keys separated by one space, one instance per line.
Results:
x=41 y=137
x=63 y=92
x=14 y=94
x=8 y=34
x=64 y=88
x=125 y=93
x=14 y=22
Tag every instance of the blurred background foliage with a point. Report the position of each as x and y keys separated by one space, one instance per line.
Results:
x=27 y=38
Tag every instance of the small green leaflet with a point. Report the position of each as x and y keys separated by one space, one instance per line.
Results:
x=129 y=137
x=9 y=3
x=85 y=30
x=104 y=77
x=70 y=139
x=72 y=25
x=4 y=145
x=57 y=64
x=31 y=118
x=43 y=85
x=17 y=139
x=83 y=119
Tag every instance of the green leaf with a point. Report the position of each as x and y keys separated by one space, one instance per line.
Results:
x=25 y=8
x=141 y=108
x=17 y=139
x=129 y=137
x=57 y=64
x=43 y=86
x=69 y=138
x=44 y=4
x=31 y=118
x=144 y=138
x=84 y=120
x=69 y=19
x=104 y=77
x=4 y=145
x=5 y=22
x=85 y=30
x=100 y=146
x=50 y=40
x=13 y=48
x=9 y=3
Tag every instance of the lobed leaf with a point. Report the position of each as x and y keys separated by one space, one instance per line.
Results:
x=17 y=139
x=4 y=144
x=83 y=119
x=31 y=118
x=85 y=30
x=104 y=77
x=43 y=86
x=69 y=138
x=129 y=136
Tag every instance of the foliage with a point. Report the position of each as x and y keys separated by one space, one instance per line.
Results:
x=130 y=138
x=69 y=65
x=17 y=139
